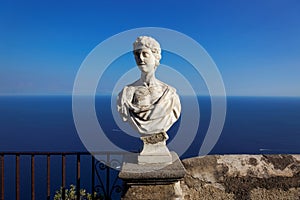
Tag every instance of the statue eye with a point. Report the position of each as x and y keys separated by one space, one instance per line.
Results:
x=145 y=54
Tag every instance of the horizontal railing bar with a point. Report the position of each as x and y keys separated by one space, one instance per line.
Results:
x=33 y=155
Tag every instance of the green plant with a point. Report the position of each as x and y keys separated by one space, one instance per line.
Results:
x=70 y=194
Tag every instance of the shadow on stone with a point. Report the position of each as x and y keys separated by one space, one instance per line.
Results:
x=152 y=181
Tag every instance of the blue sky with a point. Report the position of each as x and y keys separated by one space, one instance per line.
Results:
x=255 y=44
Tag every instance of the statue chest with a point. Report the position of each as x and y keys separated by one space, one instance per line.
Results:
x=146 y=96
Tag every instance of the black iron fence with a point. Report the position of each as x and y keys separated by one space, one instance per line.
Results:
x=103 y=165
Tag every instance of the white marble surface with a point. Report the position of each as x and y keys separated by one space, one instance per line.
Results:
x=149 y=105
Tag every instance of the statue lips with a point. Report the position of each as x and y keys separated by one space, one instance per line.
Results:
x=142 y=66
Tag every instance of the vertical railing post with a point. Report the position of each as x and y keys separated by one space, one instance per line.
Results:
x=48 y=176
x=78 y=177
x=2 y=176
x=63 y=180
x=17 y=176
x=93 y=177
x=103 y=186
x=107 y=174
x=32 y=178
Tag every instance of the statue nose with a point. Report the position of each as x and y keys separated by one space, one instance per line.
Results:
x=141 y=57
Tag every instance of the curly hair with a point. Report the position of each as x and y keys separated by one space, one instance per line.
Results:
x=148 y=42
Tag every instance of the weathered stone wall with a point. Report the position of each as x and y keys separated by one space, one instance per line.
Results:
x=239 y=177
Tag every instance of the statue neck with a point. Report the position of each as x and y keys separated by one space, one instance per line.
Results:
x=148 y=78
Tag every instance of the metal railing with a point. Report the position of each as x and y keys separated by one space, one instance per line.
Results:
x=105 y=185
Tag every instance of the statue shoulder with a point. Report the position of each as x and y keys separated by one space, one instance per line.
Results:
x=130 y=87
x=134 y=84
x=127 y=92
x=172 y=89
x=166 y=86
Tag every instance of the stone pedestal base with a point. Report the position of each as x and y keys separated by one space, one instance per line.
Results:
x=155 y=153
x=152 y=181
x=155 y=150
x=154 y=192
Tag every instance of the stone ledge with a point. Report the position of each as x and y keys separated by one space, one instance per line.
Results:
x=152 y=181
x=148 y=173
x=242 y=177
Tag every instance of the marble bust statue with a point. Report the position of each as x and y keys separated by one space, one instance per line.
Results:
x=149 y=105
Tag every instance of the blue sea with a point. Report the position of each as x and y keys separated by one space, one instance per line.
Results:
x=253 y=125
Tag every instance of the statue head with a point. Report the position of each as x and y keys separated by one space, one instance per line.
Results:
x=146 y=42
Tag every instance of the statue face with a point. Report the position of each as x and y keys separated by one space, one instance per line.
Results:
x=145 y=59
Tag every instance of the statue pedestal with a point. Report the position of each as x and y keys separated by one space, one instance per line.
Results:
x=155 y=150
x=155 y=153
x=152 y=181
